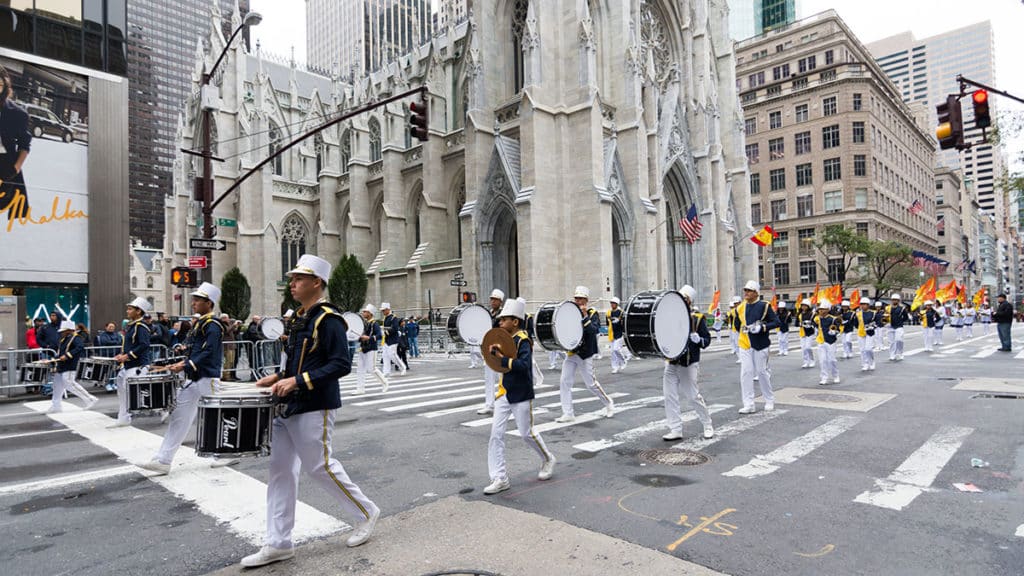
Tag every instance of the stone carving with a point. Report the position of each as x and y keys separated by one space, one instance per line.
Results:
x=655 y=44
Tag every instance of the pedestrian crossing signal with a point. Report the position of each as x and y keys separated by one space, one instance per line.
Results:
x=418 y=119
x=184 y=277
x=468 y=297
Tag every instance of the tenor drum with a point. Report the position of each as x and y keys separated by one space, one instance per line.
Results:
x=656 y=324
x=355 y=325
x=467 y=323
x=35 y=372
x=95 y=370
x=559 y=325
x=271 y=328
x=151 y=392
x=234 y=425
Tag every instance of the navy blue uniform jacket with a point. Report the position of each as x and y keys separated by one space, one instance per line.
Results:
x=591 y=328
x=517 y=383
x=318 y=357
x=692 y=353
x=135 y=343
x=69 y=350
x=205 y=353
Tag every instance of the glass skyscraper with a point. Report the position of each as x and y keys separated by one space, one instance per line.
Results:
x=748 y=18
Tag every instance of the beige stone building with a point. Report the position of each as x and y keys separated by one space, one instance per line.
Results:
x=829 y=141
x=567 y=140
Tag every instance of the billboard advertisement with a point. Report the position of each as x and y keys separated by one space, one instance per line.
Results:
x=44 y=139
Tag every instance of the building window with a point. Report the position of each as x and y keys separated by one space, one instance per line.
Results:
x=755 y=183
x=828 y=106
x=857 y=102
x=135 y=282
x=858 y=132
x=518 y=25
x=149 y=279
x=806 y=64
x=801 y=113
x=860 y=196
x=833 y=169
x=293 y=242
x=940 y=225
x=778 y=210
x=774 y=120
x=375 y=146
x=318 y=146
x=805 y=206
x=828 y=57
x=777 y=148
x=942 y=249
x=273 y=148
x=780 y=72
x=752 y=153
x=833 y=201
x=804 y=174
x=755 y=80
x=805 y=237
x=755 y=213
x=802 y=140
x=750 y=126
x=862 y=229
x=808 y=272
x=778 y=179
x=346 y=150
x=830 y=136
x=836 y=270
x=860 y=165
x=782 y=274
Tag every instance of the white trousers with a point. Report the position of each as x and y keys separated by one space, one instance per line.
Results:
x=959 y=332
x=523 y=412
x=867 y=351
x=755 y=363
x=586 y=369
x=682 y=379
x=783 y=343
x=988 y=326
x=302 y=443
x=490 y=386
x=848 y=345
x=391 y=357
x=66 y=381
x=476 y=359
x=365 y=365
x=122 y=391
x=937 y=336
x=807 y=349
x=620 y=354
x=827 y=360
x=929 y=338
x=186 y=406
x=896 y=343
x=734 y=341
x=969 y=329
x=553 y=357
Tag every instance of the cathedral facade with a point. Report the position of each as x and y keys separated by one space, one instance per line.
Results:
x=567 y=140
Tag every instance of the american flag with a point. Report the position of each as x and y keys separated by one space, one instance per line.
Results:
x=940 y=226
x=916 y=207
x=690 y=225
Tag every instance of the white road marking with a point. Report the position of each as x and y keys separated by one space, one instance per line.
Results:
x=487 y=421
x=641 y=431
x=1020 y=531
x=1019 y=356
x=70 y=479
x=591 y=416
x=26 y=434
x=952 y=351
x=224 y=494
x=795 y=449
x=917 y=472
x=32 y=412
x=984 y=353
x=352 y=384
x=913 y=352
x=730 y=429
x=392 y=392
x=423 y=395
x=470 y=408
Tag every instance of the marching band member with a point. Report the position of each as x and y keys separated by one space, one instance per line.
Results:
x=490 y=376
x=681 y=375
x=784 y=319
x=829 y=327
x=301 y=436
x=134 y=356
x=985 y=313
x=717 y=325
x=365 y=360
x=898 y=315
x=582 y=359
x=928 y=318
x=805 y=319
x=70 y=349
x=202 y=368
x=752 y=321
x=865 y=326
x=846 y=315
x=620 y=355
x=956 y=320
x=969 y=316
x=940 y=322
x=531 y=333
x=390 y=327
x=730 y=320
x=514 y=396
x=883 y=334
x=554 y=356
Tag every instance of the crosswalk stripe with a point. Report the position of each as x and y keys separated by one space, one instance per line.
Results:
x=69 y=479
x=460 y=409
x=350 y=384
x=792 y=451
x=1019 y=356
x=913 y=352
x=952 y=351
x=917 y=472
x=420 y=387
x=984 y=353
x=478 y=396
x=591 y=416
x=1020 y=531
x=397 y=398
x=730 y=429
x=546 y=408
x=38 y=433
x=641 y=431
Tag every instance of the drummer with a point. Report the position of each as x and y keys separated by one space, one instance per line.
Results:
x=202 y=367
x=582 y=359
x=69 y=350
x=514 y=396
x=134 y=356
x=681 y=374
x=490 y=376
x=368 y=351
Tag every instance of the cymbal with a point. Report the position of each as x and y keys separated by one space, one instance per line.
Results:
x=505 y=343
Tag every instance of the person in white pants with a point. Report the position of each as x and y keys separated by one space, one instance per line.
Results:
x=134 y=356
x=969 y=315
x=582 y=359
x=805 y=319
x=390 y=327
x=898 y=315
x=940 y=323
x=70 y=349
x=554 y=356
x=828 y=330
x=366 y=356
x=985 y=314
x=928 y=318
x=753 y=321
x=865 y=324
x=846 y=315
x=882 y=334
x=490 y=376
x=476 y=359
x=784 y=320
x=681 y=374
x=620 y=355
x=730 y=319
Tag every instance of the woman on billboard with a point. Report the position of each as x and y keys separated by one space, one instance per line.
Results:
x=15 y=139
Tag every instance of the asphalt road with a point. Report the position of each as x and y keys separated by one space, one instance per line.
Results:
x=856 y=478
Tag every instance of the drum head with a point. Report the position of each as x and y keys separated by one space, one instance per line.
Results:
x=671 y=324
x=474 y=321
x=568 y=325
x=271 y=328
x=355 y=325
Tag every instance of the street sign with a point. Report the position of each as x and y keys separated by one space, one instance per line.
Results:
x=459 y=283
x=228 y=222
x=197 y=262
x=204 y=244
x=459 y=276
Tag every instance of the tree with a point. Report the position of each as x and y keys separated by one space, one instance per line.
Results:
x=236 y=296
x=838 y=240
x=889 y=265
x=348 y=284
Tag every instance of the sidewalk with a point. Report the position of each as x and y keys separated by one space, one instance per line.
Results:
x=453 y=535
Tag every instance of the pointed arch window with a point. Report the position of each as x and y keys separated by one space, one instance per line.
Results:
x=293 y=242
x=375 y=148
x=346 y=150
x=149 y=282
x=274 y=147
x=518 y=25
x=318 y=144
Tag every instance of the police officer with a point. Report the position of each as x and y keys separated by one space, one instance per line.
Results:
x=620 y=354
x=490 y=376
x=368 y=351
x=829 y=328
x=753 y=319
x=681 y=374
x=134 y=356
x=390 y=325
x=318 y=356
x=70 y=349
x=784 y=319
x=898 y=315
x=582 y=359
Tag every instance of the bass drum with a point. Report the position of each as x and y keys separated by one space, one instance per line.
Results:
x=656 y=324
x=271 y=328
x=559 y=326
x=355 y=325
x=467 y=323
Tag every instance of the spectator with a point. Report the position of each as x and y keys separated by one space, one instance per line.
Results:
x=181 y=338
x=30 y=335
x=157 y=333
x=109 y=337
x=252 y=336
x=403 y=342
x=55 y=322
x=230 y=347
x=412 y=330
x=83 y=331
x=46 y=334
x=1003 y=317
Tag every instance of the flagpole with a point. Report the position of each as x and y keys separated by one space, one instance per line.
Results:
x=670 y=217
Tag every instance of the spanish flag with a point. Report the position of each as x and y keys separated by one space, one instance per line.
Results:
x=765 y=236
x=714 y=302
x=925 y=292
x=855 y=298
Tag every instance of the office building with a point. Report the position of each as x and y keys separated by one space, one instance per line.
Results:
x=360 y=36
x=749 y=18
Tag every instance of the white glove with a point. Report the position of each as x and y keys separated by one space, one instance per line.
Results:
x=755 y=329
x=695 y=338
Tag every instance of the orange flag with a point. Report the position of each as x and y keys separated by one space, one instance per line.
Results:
x=799 y=301
x=979 y=297
x=946 y=292
x=961 y=296
x=855 y=298
x=925 y=292
x=814 y=295
x=775 y=302
x=714 y=302
x=836 y=293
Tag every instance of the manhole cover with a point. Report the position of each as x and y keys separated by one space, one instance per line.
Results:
x=672 y=457
x=830 y=398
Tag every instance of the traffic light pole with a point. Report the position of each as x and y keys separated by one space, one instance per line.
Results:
x=964 y=82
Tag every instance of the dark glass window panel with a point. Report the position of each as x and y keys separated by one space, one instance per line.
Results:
x=117 y=20
x=59 y=40
x=93 y=51
x=117 y=59
x=15 y=30
x=92 y=16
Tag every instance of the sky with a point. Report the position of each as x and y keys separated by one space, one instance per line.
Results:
x=284 y=27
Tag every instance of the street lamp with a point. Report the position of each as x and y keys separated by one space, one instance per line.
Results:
x=209 y=101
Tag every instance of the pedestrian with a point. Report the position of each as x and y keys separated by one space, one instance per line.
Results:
x=134 y=356
x=1003 y=317
x=70 y=349
x=784 y=319
x=301 y=433
x=403 y=343
x=753 y=320
x=829 y=328
x=514 y=397
x=805 y=319
x=582 y=359
x=412 y=332
x=898 y=314
x=681 y=374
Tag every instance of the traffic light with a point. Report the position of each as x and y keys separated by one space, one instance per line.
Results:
x=982 y=119
x=184 y=277
x=468 y=297
x=950 y=131
x=418 y=118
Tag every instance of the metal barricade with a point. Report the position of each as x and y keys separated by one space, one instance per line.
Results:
x=268 y=356
x=11 y=359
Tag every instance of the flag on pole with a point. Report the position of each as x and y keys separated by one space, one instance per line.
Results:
x=775 y=302
x=714 y=301
x=925 y=292
x=961 y=296
x=836 y=293
x=799 y=301
x=979 y=297
x=855 y=298
x=916 y=207
x=690 y=225
x=814 y=295
x=765 y=236
x=947 y=292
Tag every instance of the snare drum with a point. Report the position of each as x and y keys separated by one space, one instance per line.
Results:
x=35 y=372
x=271 y=328
x=467 y=323
x=151 y=392
x=234 y=425
x=656 y=324
x=95 y=370
x=355 y=325
x=559 y=326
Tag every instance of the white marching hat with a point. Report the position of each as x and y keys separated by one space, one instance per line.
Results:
x=782 y=304
x=615 y=300
x=845 y=303
x=513 y=308
x=208 y=291
x=688 y=292
x=497 y=294
x=824 y=305
x=752 y=285
x=864 y=301
x=66 y=325
x=141 y=304
x=879 y=303
x=736 y=300
x=522 y=301
x=385 y=305
x=895 y=296
x=928 y=303
x=581 y=292
x=312 y=265
x=370 y=308
x=806 y=302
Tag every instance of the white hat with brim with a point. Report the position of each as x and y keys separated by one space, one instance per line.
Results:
x=782 y=304
x=824 y=305
x=752 y=285
x=385 y=305
x=312 y=266
x=845 y=303
x=615 y=300
x=866 y=301
x=141 y=304
x=688 y=292
x=498 y=294
x=928 y=303
x=208 y=291
x=369 y=308
x=806 y=302
x=67 y=325
x=581 y=292
x=736 y=300
x=895 y=297
x=513 y=308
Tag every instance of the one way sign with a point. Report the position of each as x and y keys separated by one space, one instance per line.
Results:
x=204 y=244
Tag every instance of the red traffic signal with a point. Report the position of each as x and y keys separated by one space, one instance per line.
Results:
x=982 y=118
x=418 y=119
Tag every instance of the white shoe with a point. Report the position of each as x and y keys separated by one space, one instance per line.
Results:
x=485 y=410
x=363 y=531
x=224 y=462
x=385 y=385
x=872 y=367
x=747 y=410
x=812 y=365
x=738 y=361
x=805 y=365
x=119 y=424
x=402 y=373
x=359 y=392
x=164 y=415
x=52 y=410
x=863 y=368
x=499 y=485
x=564 y=418
x=835 y=380
x=547 y=469
x=615 y=370
x=160 y=468
x=90 y=403
x=552 y=367
x=823 y=382
x=672 y=436
x=609 y=410
x=267 y=555
x=769 y=406
x=709 y=432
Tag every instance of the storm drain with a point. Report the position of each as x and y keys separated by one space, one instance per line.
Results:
x=672 y=457
x=835 y=398
x=999 y=396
